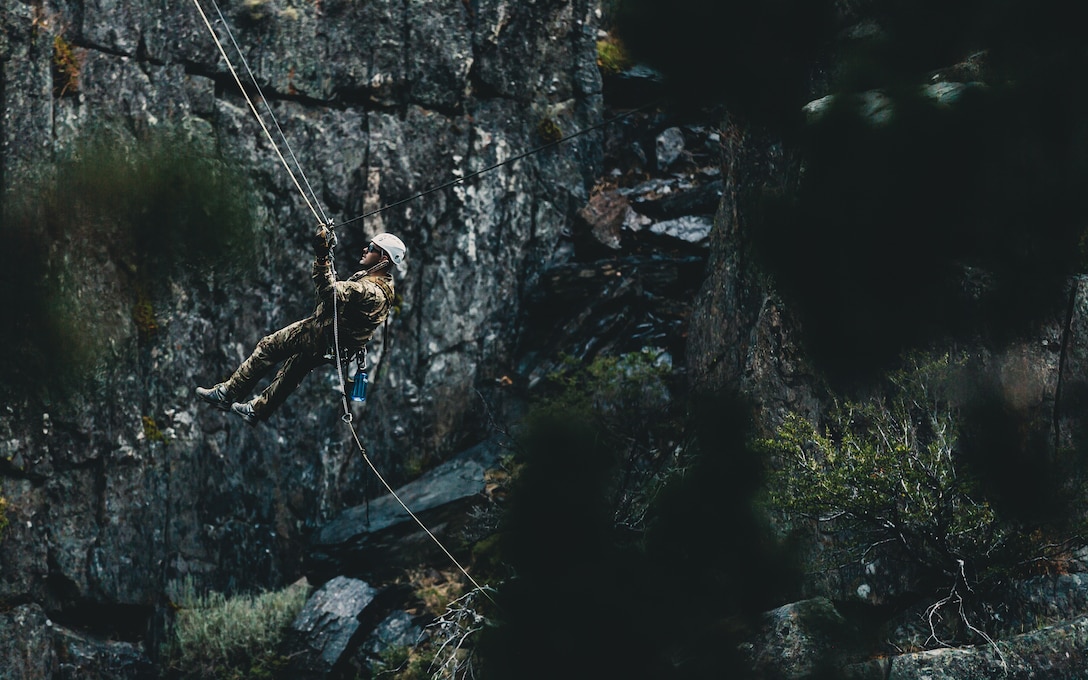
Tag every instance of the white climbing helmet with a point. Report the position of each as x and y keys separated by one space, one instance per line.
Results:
x=391 y=245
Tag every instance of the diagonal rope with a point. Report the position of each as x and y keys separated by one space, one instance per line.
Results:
x=411 y=514
x=348 y=419
x=268 y=109
x=489 y=168
x=253 y=108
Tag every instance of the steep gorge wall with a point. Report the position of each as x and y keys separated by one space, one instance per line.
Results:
x=114 y=491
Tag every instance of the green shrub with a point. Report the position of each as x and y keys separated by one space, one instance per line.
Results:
x=237 y=637
x=109 y=223
x=883 y=477
x=886 y=467
x=611 y=57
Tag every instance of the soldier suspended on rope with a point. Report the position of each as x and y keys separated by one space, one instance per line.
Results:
x=362 y=303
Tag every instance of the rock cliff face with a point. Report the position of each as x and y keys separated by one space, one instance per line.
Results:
x=114 y=491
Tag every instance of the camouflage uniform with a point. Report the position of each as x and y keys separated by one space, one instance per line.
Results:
x=363 y=304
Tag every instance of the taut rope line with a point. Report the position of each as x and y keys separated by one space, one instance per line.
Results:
x=268 y=109
x=257 y=115
x=411 y=514
x=525 y=154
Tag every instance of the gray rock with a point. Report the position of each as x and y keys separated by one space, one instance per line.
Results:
x=397 y=630
x=668 y=146
x=26 y=644
x=379 y=538
x=328 y=630
x=1056 y=653
x=1042 y=601
x=692 y=229
x=799 y=640
x=84 y=657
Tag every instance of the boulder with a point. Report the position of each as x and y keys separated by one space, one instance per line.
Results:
x=328 y=630
x=799 y=640
x=605 y=216
x=87 y=657
x=669 y=146
x=397 y=630
x=1042 y=601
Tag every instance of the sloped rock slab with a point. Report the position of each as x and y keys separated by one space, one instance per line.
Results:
x=381 y=540
x=84 y=657
x=32 y=647
x=1056 y=653
x=328 y=629
x=1044 y=600
x=397 y=630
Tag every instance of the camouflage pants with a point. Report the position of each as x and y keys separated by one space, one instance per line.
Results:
x=300 y=346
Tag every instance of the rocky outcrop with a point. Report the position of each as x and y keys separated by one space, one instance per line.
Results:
x=33 y=646
x=812 y=639
x=1056 y=652
x=380 y=539
x=800 y=640
x=328 y=627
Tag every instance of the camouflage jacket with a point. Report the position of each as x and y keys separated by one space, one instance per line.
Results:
x=362 y=303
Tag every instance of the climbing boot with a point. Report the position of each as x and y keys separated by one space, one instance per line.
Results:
x=217 y=396
x=245 y=412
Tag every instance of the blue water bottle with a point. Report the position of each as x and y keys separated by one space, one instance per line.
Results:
x=358 y=388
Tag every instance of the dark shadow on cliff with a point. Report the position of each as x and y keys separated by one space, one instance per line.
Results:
x=599 y=600
x=708 y=544
x=953 y=219
x=98 y=234
x=754 y=57
x=943 y=223
x=1011 y=449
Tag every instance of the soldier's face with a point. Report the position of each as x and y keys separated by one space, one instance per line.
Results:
x=371 y=256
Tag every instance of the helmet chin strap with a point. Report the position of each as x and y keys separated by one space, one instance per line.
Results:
x=384 y=264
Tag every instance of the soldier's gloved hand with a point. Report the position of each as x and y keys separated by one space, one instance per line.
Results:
x=324 y=241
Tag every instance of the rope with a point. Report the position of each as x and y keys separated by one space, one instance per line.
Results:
x=275 y=147
x=411 y=514
x=268 y=109
x=501 y=163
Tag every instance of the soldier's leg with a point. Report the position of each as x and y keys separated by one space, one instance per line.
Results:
x=287 y=379
x=270 y=350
